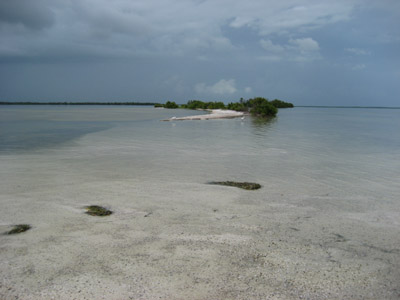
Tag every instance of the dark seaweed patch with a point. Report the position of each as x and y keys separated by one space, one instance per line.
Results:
x=19 y=228
x=242 y=185
x=95 y=210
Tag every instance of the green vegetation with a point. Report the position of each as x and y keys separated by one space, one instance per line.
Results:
x=95 y=210
x=242 y=185
x=19 y=228
x=238 y=106
x=171 y=104
x=281 y=104
x=197 y=104
x=259 y=107
x=193 y=104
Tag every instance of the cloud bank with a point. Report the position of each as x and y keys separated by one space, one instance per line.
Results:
x=126 y=28
x=295 y=50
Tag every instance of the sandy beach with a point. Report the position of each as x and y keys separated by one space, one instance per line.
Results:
x=214 y=114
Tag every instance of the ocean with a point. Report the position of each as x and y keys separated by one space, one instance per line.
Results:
x=330 y=179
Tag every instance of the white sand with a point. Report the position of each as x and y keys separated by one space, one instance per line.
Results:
x=214 y=114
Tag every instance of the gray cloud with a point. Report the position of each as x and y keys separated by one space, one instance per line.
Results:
x=30 y=14
x=169 y=49
x=123 y=27
x=285 y=16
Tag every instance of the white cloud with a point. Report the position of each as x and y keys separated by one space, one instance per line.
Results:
x=358 y=51
x=248 y=90
x=222 y=87
x=300 y=50
x=271 y=47
x=359 y=67
x=305 y=45
x=271 y=58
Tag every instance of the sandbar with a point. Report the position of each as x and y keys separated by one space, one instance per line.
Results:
x=214 y=114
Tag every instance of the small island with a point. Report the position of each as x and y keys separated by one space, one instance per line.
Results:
x=258 y=107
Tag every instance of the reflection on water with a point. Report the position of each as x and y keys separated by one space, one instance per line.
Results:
x=262 y=125
x=261 y=130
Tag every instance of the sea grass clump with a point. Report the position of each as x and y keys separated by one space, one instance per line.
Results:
x=95 y=210
x=19 y=228
x=242 y=185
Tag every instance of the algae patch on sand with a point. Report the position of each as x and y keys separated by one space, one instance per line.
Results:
x=95 y=210
x=242 y=185
x=19 y=228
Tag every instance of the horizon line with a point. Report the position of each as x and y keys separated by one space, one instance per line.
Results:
x=153 y=103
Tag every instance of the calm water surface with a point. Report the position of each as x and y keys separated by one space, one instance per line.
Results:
x=337 y=129
x=303 y=149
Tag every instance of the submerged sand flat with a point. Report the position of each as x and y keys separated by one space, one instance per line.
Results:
x=214 y=114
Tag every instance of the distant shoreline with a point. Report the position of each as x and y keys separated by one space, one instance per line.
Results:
x=154 y=103
x=77 y=103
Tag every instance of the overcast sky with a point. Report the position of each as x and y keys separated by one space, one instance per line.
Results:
x=309 y=52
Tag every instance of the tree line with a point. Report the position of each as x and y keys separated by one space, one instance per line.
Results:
x=257 y=106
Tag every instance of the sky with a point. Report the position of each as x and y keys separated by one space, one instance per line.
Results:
x=308 y=52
